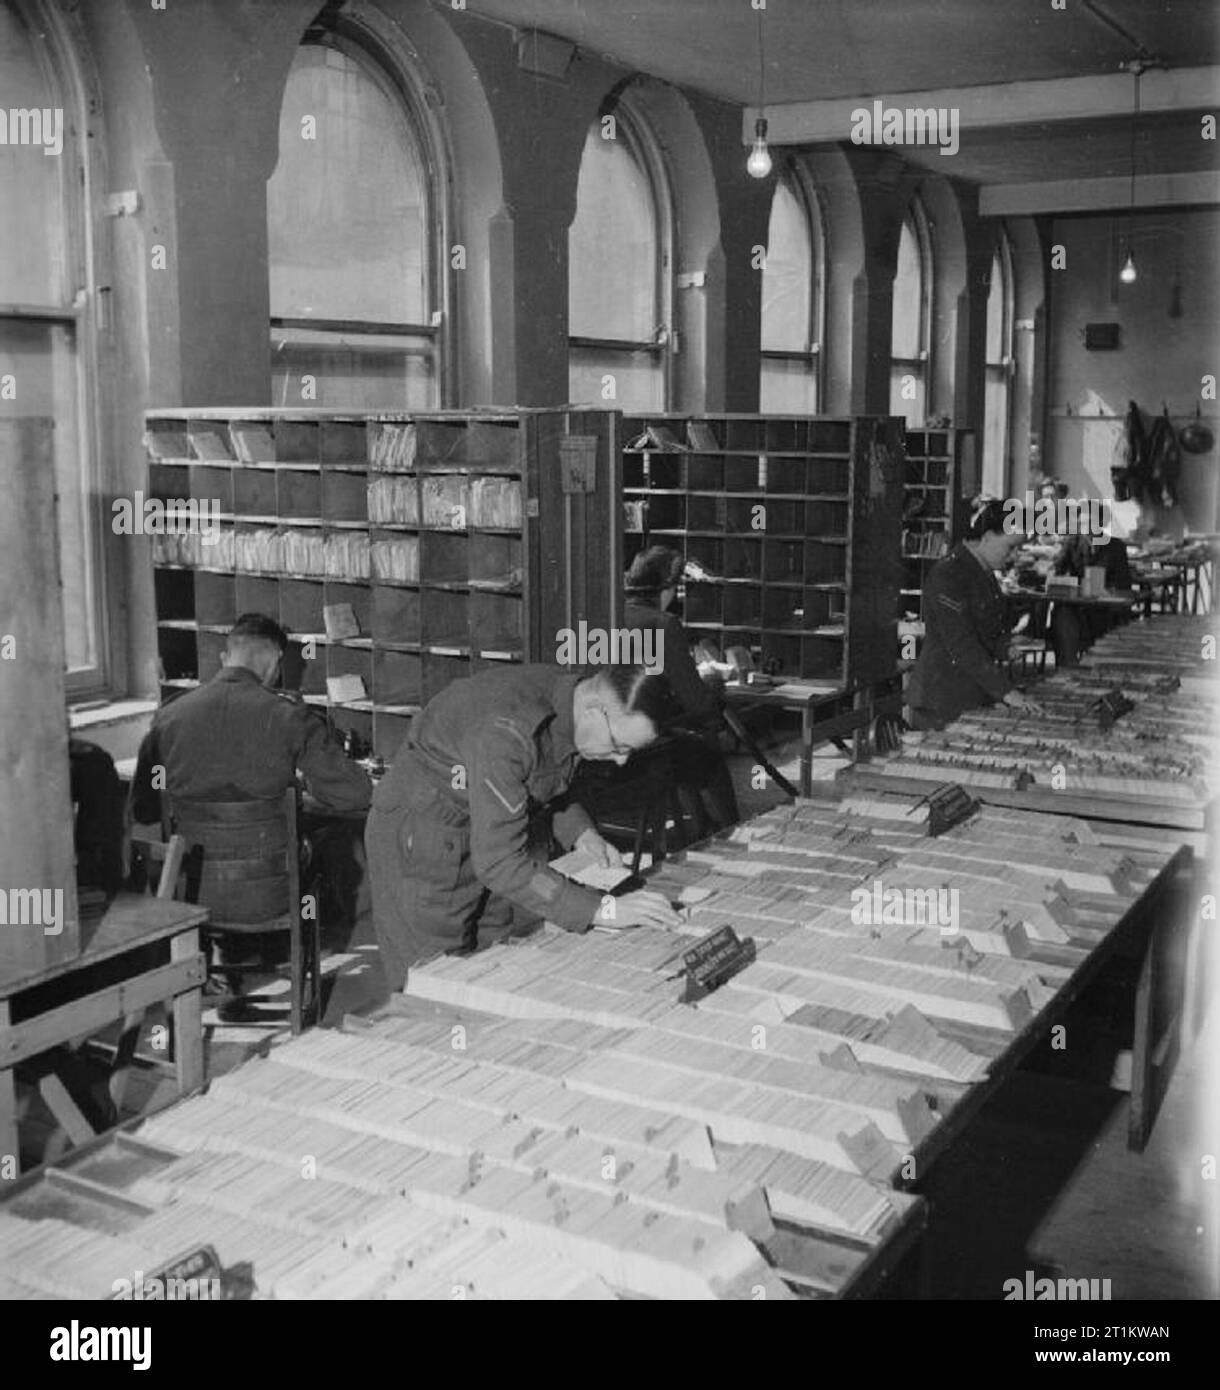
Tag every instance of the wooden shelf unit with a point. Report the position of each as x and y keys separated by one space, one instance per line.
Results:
x=796 y=522
x=939 y=467
x=451 y=535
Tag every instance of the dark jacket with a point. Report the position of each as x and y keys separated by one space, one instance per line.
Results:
x=495 y=747
x=1078 y=552
x=98 y=796
x=960 y=664
x=235 y=740
x=698 y=700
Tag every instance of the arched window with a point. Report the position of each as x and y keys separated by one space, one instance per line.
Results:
x=351 y=238
x=792 y=300
x=619 y=258
x=997 y=402
x=46 y=294
x=910 y=351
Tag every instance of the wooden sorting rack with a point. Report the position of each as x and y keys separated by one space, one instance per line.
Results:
x=97 y=1187
x=815 y=1263
x=92 y=1188
x=1144 y=929
x=1192 y=820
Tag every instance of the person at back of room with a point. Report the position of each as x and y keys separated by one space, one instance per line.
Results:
x=650 y=587
x=448 y=838
x=1074 y=629
x=963 y=662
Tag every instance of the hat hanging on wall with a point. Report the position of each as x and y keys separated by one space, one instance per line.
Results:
x=1196 y=437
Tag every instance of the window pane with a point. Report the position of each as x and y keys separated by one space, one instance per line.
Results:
x=997 y=349
x=31 y=222
x=787 y=388
x=786 y=278
x=347 y=209
x=348 y=374
x=636 y=378
x=995 y=433
x=905 y=380
x=908 y=294
x=612 y=245
x=42 y=357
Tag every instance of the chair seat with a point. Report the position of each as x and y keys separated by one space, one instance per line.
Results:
x=284 y=922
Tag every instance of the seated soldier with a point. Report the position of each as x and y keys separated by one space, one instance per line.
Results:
x=237 y=739
x=650 y=586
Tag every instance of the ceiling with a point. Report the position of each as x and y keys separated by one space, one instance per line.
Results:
x=819 y=50
x=844 y=48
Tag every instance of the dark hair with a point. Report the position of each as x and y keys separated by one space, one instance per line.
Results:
x=641 y=693
x=257 y=627
x=659 y=567
x=986 y=514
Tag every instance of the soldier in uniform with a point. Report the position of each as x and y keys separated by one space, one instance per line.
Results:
x=236 y=739
x=448 y=835
x=651 y=585
x=963 y=661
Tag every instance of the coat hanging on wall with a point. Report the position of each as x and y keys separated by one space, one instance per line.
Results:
x=1164 y=461
x=1129 y=470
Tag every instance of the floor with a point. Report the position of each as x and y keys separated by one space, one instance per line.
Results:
x=1043 y=1181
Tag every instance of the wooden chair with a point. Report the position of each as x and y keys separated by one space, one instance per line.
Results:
x=635 y=803
x=242 y=864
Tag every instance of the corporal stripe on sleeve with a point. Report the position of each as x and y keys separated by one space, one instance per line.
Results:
x=502 y=799
x=957 y=605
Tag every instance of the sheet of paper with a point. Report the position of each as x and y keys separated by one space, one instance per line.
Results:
x=800 y=690
x=576 y=864
x=340 y=620
x=343 y=690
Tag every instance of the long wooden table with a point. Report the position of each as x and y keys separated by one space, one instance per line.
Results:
x=144 y=951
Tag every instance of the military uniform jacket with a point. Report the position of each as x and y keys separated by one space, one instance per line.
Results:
x=493 y=748
x=966 y=639
x=697 y=699
x=235 y=740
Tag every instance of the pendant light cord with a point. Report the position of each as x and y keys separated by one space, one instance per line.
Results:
x=762 y=69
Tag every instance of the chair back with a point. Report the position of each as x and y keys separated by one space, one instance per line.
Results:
x=242 y=858
x=170 y=854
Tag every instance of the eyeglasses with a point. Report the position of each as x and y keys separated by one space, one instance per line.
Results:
x=619 y=750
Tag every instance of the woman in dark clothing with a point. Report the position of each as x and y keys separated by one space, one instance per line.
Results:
x=963 y=662
x=651 y=585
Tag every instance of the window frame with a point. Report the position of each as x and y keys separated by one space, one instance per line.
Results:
x=807 y=199
x=1005 y=369
x=920 y=366
x=642 y=145
x=405 y=88
x=60 y=48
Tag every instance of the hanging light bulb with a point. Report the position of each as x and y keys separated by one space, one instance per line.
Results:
x=1127 y=274
x=758 y=165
